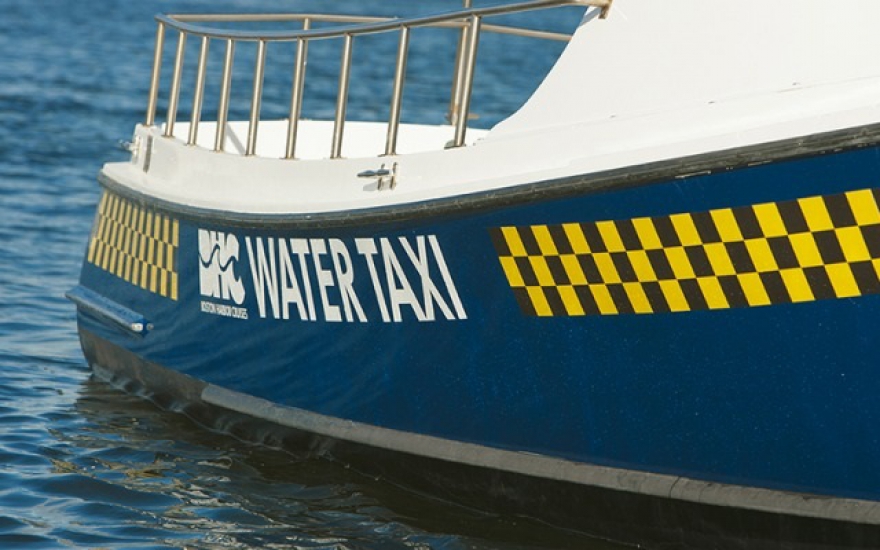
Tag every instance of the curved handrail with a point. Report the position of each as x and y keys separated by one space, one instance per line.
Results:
x=181 y=22
x=360 y=24
x=469 y=21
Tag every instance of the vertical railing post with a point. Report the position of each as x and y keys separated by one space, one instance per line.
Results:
x=175 y=85
x=296 y=94
x=457 y=77
x=150 y=119
x=225 y=87
x=397 y=92
x=342 y=97
x=464 y=99
x=198 y=96
x=256 y=98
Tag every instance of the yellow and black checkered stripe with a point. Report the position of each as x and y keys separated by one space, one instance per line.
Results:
x=813 y=248
x=136 y=244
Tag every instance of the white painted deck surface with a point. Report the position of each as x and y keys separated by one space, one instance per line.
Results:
x=656 y=80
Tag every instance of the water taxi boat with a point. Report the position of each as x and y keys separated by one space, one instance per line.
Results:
x=645 y=305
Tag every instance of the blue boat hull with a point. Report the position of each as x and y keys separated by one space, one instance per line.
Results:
x=716 y=330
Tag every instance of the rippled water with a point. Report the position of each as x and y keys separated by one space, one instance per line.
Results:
x=83 y=465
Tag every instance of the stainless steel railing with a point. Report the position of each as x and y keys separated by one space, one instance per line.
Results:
x=469 y=22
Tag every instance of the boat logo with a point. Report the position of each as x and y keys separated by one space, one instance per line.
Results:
x=218 y=256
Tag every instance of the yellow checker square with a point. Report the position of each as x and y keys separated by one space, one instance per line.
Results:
x=816 y=214
x=514 y=242
x=145 y=275
x=674 y=295
x=607 y=269
x=542 y=270
x=173 y=295
x=545 y=240
x=603 y=299
x=797 y=285
x=761 y=255
x=148 y=228
x=118 y=259
x=719 y=259
x=166 y=230
x=680 y=263
x=125 y=215
x=160 y=255
x=106 y=231
x=93 y=250
x=157 y=227
x=713 y=293
x=141 y=222
x=805 y=250
x=754 y=290
x=726 y=224
x=852 y=243
x=641 y=265
x=686 y=230
x=573 y=269
x=116 y=238
x=647 y=233
x=104 y=258
x=570 y=300
x=511 y=271
x=139 y=246
x=576 y=238
x=842 y=280
x=112 y=207
x=637 y=297
x=864 y=206
x=154 y=279
x=128 y=264
x=610 y=236
x=770 y=220
x=119 y=208
x=151 y=251
x=109 y=257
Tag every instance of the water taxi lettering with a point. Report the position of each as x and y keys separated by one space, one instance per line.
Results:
x=331 y=280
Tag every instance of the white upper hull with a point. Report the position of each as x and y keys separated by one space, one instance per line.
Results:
x=656 y=80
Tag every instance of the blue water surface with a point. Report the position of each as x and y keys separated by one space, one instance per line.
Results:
x=83 y=465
